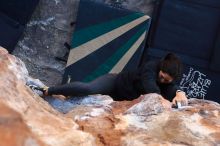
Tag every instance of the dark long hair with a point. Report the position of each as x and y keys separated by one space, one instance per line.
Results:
x=171 y=65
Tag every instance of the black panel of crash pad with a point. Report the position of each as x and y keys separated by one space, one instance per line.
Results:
x=187 y=27
x=11 y=31
x=215 y=58
x=19 y=10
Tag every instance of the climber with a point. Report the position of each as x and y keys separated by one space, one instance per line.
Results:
x=152 y=77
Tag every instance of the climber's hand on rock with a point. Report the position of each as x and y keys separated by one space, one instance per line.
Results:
x=180 y=98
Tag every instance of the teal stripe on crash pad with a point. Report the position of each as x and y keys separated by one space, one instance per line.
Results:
x=112 y=61
x=89 y=33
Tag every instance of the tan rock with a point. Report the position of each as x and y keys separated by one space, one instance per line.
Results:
x=14 y=132
x=97 y=120
x=50 y=126
x=176 y=127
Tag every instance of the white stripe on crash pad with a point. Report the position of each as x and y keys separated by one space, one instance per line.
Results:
x=85 y=49
x=127 y=56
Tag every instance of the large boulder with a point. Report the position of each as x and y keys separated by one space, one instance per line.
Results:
x=52 y=127
x=97 y=120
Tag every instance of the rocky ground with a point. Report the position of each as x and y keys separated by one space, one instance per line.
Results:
x=28 y=120
x=48 y=30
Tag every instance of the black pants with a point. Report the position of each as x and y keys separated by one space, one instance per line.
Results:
x=103 y=85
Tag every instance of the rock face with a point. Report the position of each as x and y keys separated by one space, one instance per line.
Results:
x=52 y=127
x=44 y=39
x=97 y=120
x=14 y=131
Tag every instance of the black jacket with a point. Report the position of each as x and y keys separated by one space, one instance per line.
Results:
x=130 y=85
